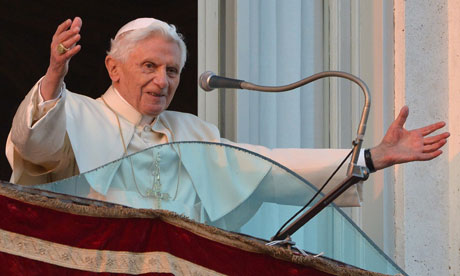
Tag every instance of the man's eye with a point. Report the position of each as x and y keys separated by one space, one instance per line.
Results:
x=148 y=66
x=172 y=71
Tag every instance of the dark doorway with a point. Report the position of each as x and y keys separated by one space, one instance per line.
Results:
x=26 y=28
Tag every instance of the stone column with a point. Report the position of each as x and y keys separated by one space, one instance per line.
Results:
x=427 y=79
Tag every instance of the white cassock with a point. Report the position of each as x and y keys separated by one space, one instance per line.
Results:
x=57 y=139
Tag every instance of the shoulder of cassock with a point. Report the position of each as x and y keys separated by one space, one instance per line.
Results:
x=91 y=124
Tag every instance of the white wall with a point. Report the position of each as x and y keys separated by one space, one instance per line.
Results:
x=427 y=80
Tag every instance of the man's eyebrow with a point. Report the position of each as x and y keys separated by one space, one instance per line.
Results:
x=147 y=59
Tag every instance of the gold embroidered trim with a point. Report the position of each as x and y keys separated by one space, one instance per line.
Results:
x=97 y=260
x=206 y=231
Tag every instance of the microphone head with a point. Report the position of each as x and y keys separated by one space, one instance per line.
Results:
x=204 y=80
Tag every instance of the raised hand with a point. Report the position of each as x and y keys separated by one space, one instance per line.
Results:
x=63 y=48
x=401 y=145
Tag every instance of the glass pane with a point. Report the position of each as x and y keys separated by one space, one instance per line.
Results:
x=225 y=186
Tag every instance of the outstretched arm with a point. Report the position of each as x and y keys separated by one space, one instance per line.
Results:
x=67 y=34
x=400 y=145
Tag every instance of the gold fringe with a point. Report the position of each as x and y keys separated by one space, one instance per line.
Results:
x=206 y=231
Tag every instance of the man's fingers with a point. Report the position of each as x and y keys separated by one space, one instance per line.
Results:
x=67 y=33
x=76 y=23
x=434 y=147
x=430 y=155
x=71 y=41
x=431 y=128
x=64 y=36
x=401 y=119
x=435 y=139
x=62 y=27
x=73 y=51
x=67 y=38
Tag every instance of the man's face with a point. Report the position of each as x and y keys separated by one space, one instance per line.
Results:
x=150 y=76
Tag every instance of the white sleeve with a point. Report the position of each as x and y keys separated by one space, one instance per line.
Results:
x=314 y=165
x=44 y=106
x=39 y=129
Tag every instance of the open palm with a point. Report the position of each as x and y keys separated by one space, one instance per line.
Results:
x=400 y=145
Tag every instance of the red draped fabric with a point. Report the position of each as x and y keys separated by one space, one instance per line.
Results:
x=35 y=240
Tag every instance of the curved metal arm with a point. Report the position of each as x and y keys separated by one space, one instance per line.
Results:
x=364 y=115
x=209 y=81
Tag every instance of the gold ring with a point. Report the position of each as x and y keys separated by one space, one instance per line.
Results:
x=62 y=49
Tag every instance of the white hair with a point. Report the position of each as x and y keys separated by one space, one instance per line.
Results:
x=130 y=34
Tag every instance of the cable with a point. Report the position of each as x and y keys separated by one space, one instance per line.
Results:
x=317 y=193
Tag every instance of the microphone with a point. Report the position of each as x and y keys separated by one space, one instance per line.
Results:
x=209 y=81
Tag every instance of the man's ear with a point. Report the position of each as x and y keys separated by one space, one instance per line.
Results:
x=113 y=68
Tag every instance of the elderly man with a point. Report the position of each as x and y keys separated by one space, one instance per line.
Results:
x=57 y=134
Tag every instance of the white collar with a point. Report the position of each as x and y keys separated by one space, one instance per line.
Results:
x=127 y=111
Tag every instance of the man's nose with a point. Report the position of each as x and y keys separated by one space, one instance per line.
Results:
x=161 y=78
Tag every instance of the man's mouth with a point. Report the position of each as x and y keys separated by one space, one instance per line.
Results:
x=155 y=94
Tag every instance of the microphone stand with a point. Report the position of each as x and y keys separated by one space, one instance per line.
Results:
x=355 y=173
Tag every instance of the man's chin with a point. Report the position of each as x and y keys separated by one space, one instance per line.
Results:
x=152 y=112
